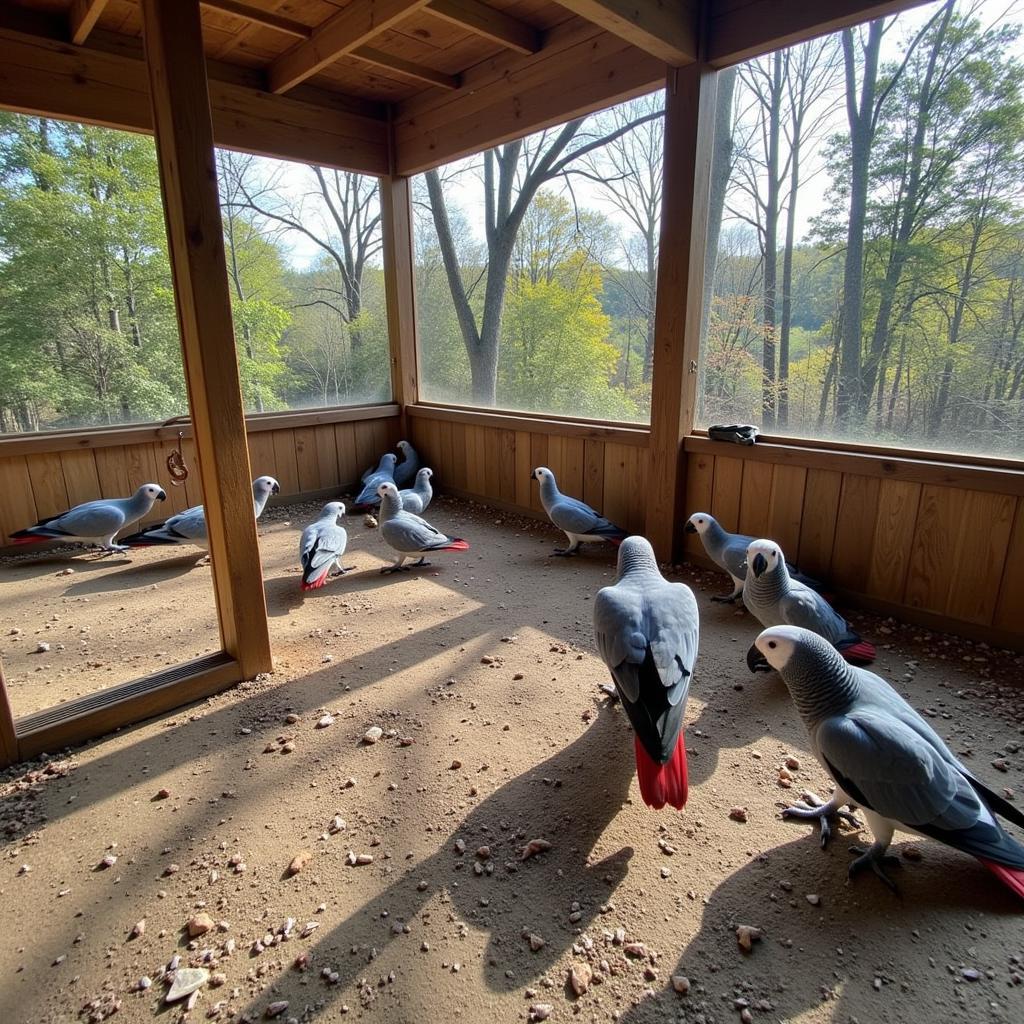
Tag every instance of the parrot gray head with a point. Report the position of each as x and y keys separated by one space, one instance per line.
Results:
x=387 y=490
x=763 y=556
x=425 y=473
x=404 y=447
x=333 y=509
x=818 y=679
x=153 y=492
x=699 y=522
x=542 y=473
x=636 y=553
x=265 y=485
x=390 y=460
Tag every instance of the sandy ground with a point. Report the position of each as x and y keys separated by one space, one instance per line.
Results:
x=486 y=663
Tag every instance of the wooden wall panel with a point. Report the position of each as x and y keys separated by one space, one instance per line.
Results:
x=895 y=525
x=524 y=483
x=593 y=472
x=725 y=493
x=786 y=506
x=983 y=538
x=700 y=472
x=755 y=499
x=1009 y=612
x=818 y=524
x=855 y=531
x=935 y=541
x=313 y=457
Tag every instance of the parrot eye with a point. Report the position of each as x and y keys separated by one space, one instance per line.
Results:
x=771 y=644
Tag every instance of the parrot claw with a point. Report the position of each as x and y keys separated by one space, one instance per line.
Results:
x=341 y=570
x=877 y=860
x=389 y=569
x=724 y=598
x=564 y=552
x=613 y=694
x=812 y=809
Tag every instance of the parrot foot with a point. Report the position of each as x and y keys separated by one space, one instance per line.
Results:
x=389 y=569
x=725 y=598
x=874 y=857
x=422 y=561
x=824 y=813
x=565 y=552
x=342 y=569
x=613 y=694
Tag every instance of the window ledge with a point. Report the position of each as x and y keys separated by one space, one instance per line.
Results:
x=107 y=437
x=946 y=471
x=561 y=426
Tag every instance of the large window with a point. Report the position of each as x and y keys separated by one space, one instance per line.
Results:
x=88 y=330
x=536 y=265
x=867 y=236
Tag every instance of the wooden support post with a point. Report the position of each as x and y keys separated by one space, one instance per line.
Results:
x=188 y=176
x=689 y=138
x=399 y=287
x=8 y=737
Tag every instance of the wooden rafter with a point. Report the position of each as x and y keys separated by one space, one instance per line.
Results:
x=368 y=54
x=350 y=28
x=83 y=17
x=485 y=21
x=666 y=29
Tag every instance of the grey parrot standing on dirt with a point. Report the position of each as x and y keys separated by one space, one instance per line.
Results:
x=647 y=631
x=384 y=473
x=886 y=759
x=774 y=598
x=321 y=546
x=94 y=522
x=578 y=521
x=408 y=534
x=729 y=552
x=189 y=527
x=416 y=499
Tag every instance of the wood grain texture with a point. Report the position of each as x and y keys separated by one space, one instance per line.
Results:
x=1009 y=613
x=895 y=526
x=523 y=469
x=700 y=480
x=326 y=445
x=180 y=101
x=977 y=564
x=786 y=506
x=939 y=520
x=726 y=491
x=755 y=499
x=855 y=531
x=593 y=473
x=821 y=509
x=48 y=488
x=666 y=30
x=17 y=506
x=307 y=461
x=400 y=290
x=80 y=477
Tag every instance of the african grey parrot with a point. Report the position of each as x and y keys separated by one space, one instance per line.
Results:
x=885 y=758
x=578 y=521
x=189 y=527
x=729 y=552
x=417 y=498
x=405 y=471
x=776 y=599
x=647 y=631
x=321 y=546
x=407 y=533
x=94 y=522
x=384 y=473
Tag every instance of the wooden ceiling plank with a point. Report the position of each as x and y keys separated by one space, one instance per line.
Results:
x=342 y=33
x=259 y=16
x=666 y=29
x=408 y=68
x=485 y=21
x=83 y=17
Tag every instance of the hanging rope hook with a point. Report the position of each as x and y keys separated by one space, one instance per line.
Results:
x=176 y=467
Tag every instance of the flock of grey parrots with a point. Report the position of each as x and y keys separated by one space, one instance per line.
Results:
x=882 y=755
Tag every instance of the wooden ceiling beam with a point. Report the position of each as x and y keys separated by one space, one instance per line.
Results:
x=736 y=34
x=666 y=29
x=489 y=23
x=350 y=28
x=83 y=17
x=367 y=54
x=406 y=68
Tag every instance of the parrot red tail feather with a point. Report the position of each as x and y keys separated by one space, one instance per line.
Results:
x=662 y=784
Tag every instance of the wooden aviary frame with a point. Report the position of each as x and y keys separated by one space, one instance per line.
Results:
x=351 y=88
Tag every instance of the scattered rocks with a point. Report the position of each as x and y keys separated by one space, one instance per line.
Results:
x=162 y=794
x=275 y=1009
x=536 y=942
x=541 y=1011
x=793 y=764
x=369 y=522
x=738 y=814
x=814 y=899
x=325 y=721
x=186 y=981
x=580 y=976
x=681 y=984
x=138 y=930
x=199 y=924
x=42 y=647
x=533 y=847
x=298 y=862
x=372 y=735
x=746 y=936
x=107 y=861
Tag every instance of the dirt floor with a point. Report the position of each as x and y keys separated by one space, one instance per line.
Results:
x=481 y=672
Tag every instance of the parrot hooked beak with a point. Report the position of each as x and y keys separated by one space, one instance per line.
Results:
x=161 y=496
x=759 y=564
x=689 y=528
x=756 y=661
